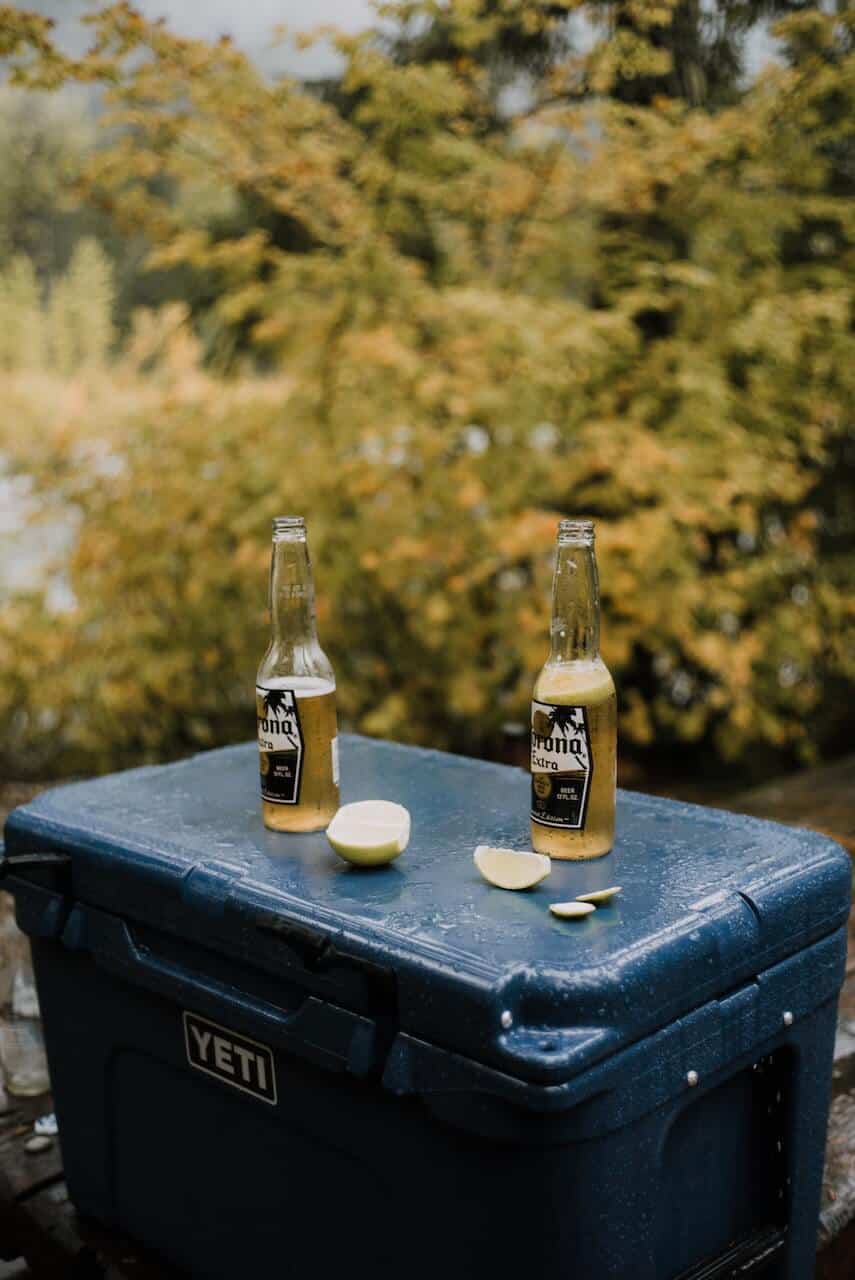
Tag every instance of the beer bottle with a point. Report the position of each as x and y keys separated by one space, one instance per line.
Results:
x=574 y=714
x=295 y=696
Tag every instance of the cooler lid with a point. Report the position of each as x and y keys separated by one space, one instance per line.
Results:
x=709 y=900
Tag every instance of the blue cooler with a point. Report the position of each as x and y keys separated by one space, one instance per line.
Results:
x=267 y=1063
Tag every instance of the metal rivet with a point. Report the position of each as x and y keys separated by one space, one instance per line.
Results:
x=692 y=1078
x=507 y=1019
x=788 y=1019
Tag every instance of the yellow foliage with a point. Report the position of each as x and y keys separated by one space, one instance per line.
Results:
x=474 y=323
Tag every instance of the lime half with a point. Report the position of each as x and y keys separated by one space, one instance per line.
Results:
x=370 y=832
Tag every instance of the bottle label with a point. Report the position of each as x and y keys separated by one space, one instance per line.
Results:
x=561 y=765
x=280 y=745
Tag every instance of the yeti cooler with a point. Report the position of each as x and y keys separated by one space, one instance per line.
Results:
x=268 y=1063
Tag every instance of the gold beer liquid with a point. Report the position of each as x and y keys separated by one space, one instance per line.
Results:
x=318 y=792
x=588 y=685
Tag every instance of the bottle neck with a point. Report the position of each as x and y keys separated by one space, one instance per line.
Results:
x=575 y=631
x=292 y=594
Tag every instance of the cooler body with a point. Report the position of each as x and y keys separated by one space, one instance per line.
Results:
x=250 y=1085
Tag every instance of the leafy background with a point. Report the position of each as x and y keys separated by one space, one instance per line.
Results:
x=513 y=261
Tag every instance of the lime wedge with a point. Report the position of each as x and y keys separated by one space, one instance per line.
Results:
x=571 y=910
x=599 y=897
x=511 y=868
x=370 y=832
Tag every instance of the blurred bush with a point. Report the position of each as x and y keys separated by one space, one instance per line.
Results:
x=472 y=321
x=68 y=329
x=43 y=144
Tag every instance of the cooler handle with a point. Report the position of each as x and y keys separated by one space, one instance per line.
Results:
x=330 y=1036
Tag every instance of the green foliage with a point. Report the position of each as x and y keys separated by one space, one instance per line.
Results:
x=81 y=311
x=475 y=322
x=45 y=142
x=22 y=319
x=680 y=48
x=70 y=329
x=42 y=146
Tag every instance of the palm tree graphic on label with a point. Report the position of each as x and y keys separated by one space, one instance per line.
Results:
x=570 y=721
x=564 y=718
x=277 y=702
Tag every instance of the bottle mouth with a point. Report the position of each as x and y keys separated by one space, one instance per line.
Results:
x=288 y=527
x=576 y=533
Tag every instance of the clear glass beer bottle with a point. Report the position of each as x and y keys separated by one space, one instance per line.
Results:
x=574 y=714
x=295 y=696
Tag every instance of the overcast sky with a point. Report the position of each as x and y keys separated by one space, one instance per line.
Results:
x=250 y=23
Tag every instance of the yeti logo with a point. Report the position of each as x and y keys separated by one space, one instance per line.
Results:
x=244 y=1064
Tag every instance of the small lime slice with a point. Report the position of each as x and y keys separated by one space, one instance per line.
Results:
x=571 y=910
x=599 y=897
x=511 y=868
x=369 y=833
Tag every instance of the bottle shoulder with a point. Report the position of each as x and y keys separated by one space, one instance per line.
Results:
x=300 y=663
x=585 y=682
